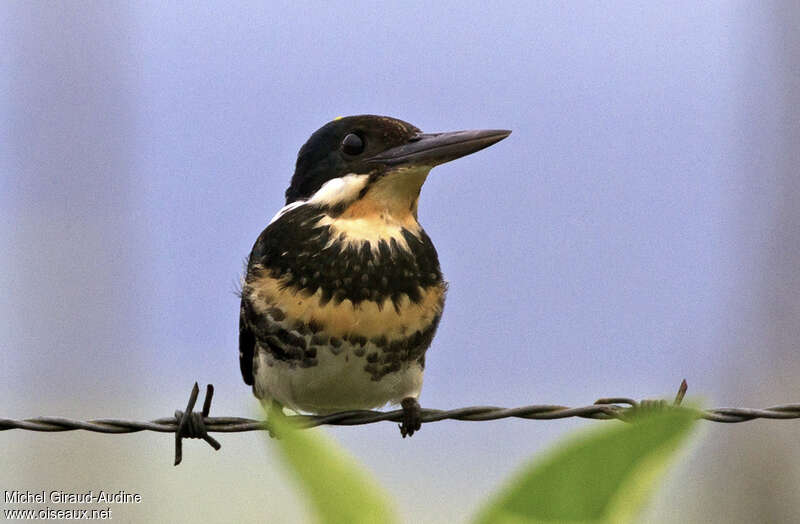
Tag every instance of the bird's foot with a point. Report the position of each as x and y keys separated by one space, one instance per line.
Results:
x=412 y=416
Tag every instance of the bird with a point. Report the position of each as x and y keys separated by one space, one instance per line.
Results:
x=343 y=292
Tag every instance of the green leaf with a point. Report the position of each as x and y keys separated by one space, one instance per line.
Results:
x=339 y=490
x=604 y=475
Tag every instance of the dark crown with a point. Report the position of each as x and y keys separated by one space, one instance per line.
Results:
x=343 y=146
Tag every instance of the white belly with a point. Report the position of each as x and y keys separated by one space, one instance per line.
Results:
x=337 y=383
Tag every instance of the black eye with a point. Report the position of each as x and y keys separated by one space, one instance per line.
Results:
x=352 y=144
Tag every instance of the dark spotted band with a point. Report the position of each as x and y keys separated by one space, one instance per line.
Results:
x=306 y=257
x=291 y=346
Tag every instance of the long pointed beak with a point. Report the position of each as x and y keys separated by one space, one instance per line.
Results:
x=432 y=149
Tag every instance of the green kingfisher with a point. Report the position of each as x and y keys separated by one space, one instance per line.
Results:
x=343 y=290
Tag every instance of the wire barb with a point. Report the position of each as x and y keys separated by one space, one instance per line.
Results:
x=681 y=393
x=193 y=424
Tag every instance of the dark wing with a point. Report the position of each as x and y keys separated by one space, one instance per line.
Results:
x=247 y=317
x=247 y=337
x=276 y=252
x=247 y=344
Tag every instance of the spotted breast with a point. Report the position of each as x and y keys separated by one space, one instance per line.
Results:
x=338 y=323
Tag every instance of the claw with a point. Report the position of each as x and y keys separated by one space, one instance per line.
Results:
x=412 y=417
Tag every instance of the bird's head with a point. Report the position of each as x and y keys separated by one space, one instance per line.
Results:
x=371 y=163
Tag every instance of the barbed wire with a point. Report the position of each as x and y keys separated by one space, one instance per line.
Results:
x=197 y=424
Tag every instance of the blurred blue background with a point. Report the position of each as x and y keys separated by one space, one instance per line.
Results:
x=640 y=226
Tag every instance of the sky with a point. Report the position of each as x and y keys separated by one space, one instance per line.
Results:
x=637 y=228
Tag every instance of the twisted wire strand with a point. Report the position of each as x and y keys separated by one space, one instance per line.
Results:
x=197 y=424
x=600 y=411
